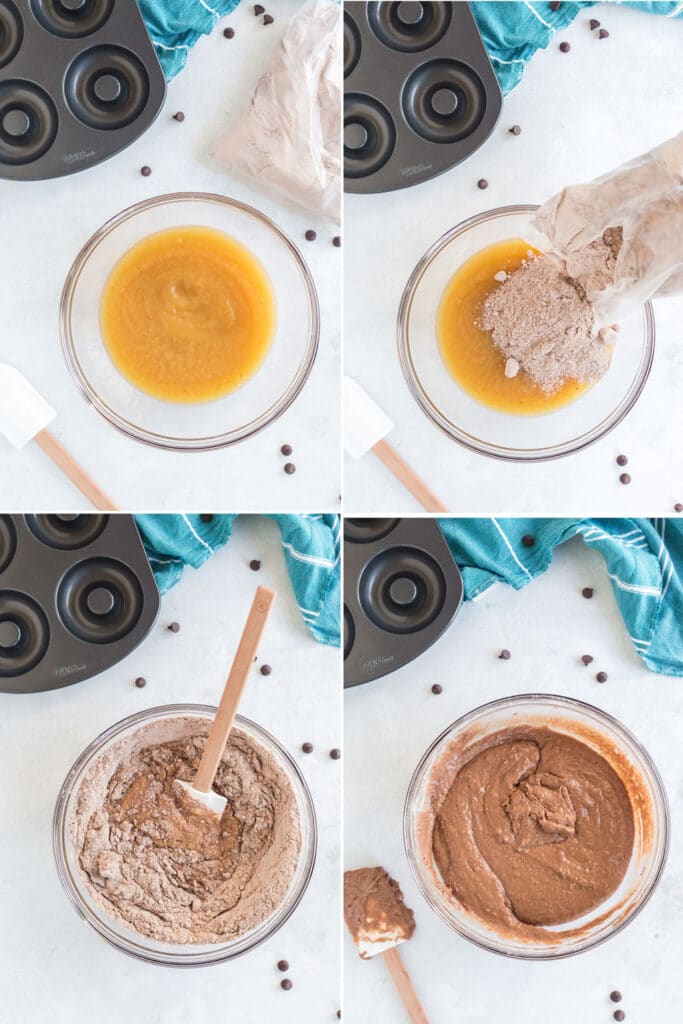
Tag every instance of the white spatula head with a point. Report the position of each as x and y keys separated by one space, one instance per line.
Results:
x=213 y=802
x=23 y=412
x=364 y=422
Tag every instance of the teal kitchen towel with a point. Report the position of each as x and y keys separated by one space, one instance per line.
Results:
x=311 y=546
x=644 y=561
x=176 y=25
x=513 y=32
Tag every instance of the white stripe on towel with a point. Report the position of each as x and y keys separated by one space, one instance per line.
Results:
x=195 y=534
x=312 y=559
x=510 y=548
x=635 y=588
x=534 y=11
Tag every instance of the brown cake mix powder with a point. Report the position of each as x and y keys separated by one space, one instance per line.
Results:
x=163 y=866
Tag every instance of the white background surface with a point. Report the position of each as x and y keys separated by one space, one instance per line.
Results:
x=44 y=225
x=54 y=967
x=390 y=723
x=581 y=114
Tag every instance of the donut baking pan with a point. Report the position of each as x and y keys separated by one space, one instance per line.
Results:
x=79 y=80
x=402 y=588
x=76 y=596
x=420 y=94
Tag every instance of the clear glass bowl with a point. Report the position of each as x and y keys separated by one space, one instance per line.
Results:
x=652 y=822
x=131 y=942
x=201 y=426
x=482 y=429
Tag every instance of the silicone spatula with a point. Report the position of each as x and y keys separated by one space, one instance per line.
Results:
x=365 y=428
x=201 y=789
x=24 y=417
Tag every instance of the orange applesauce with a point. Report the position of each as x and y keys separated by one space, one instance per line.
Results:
x=468 y=350
x=188 y=314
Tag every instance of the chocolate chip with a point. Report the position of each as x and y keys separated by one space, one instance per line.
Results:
x=619 y=1015
x=602 y=34
x=286 y=449
x=311 y=235
x=528 y=541
x=258 y=9
x=594 y=23
x=565 y=47
x=307 y=748
x=255 y=564
x=336 y=241
x=180 y=117
x=515 y=130
x=601 y=677
x=290 y=468
x=335 y=754
x=586 y=658
x=588 y=592
x=504 y=655
x=174 y=627
x=678 y=507
x=625 y=478
x=622 y=460
x=140 y=682
x=615 y=996
x=437 y=689
x=145 y=171
x=555 y=5
x=229 y=33
x=283 y=965
x=339 y=1014
x=206 y=517
x=266 y=670
x=286 y=984
x=482 y=183
x=268 y=19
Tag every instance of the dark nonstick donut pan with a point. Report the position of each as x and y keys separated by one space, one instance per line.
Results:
x=420 y=94
x=402 y=588
x=76 y=595
x=79 y=80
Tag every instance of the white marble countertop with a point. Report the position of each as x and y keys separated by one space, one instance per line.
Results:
x=581 y=114
x=44 y=224
x=55 y=968
x=389 y=724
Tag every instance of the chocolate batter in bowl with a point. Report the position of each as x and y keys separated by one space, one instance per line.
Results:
x=536 y=826
x=156 y=882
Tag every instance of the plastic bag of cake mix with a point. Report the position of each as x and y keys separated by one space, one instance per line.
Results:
x=288 y=139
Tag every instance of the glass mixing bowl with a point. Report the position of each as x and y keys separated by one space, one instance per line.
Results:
x=613 y=741
x=201 y=426
x=501 y=435
x=131 y=942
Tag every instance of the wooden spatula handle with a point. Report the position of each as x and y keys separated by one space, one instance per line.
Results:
x=51 y=446
x=410 y=480
x=239 y=672
x=402 y=981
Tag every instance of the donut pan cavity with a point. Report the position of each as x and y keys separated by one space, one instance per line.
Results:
x=76 y=596
x=402 y=588
x=420 y=94
x=79 y=80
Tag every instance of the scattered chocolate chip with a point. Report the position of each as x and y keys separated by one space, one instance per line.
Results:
x=339 y=1014
x=601 y=677
x=555 y=5
x=180 y=117
x=586 y=658
x=619 y=1015
x=678 y=507
x=602 y=34
x=140 y=682
x=307 y=748
x=482 y=183
x=229 y=33
x=290 y=468
x=286 y=984
x=145 y=171
x=266 y=670
x=504 y=655
x=528 y=541
x=622 y=460
x=335 y=754
x=336 y=241
x=565 y=47
x=206 y=517
x=311 y=235
x=286 y=449
x=437 y=689
x=588 y=592
x=255 y=564
x=615 y=996
x=268 y=19
x=625 y=478
x=259 y=9
x=283 y=965
x=174 y=627
x=594 y=23
x=515 y=130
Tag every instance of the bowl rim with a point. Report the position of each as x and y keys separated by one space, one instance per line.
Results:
x=99 y=921
x=571 y=704
x=150 y=438
x=465 y=439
